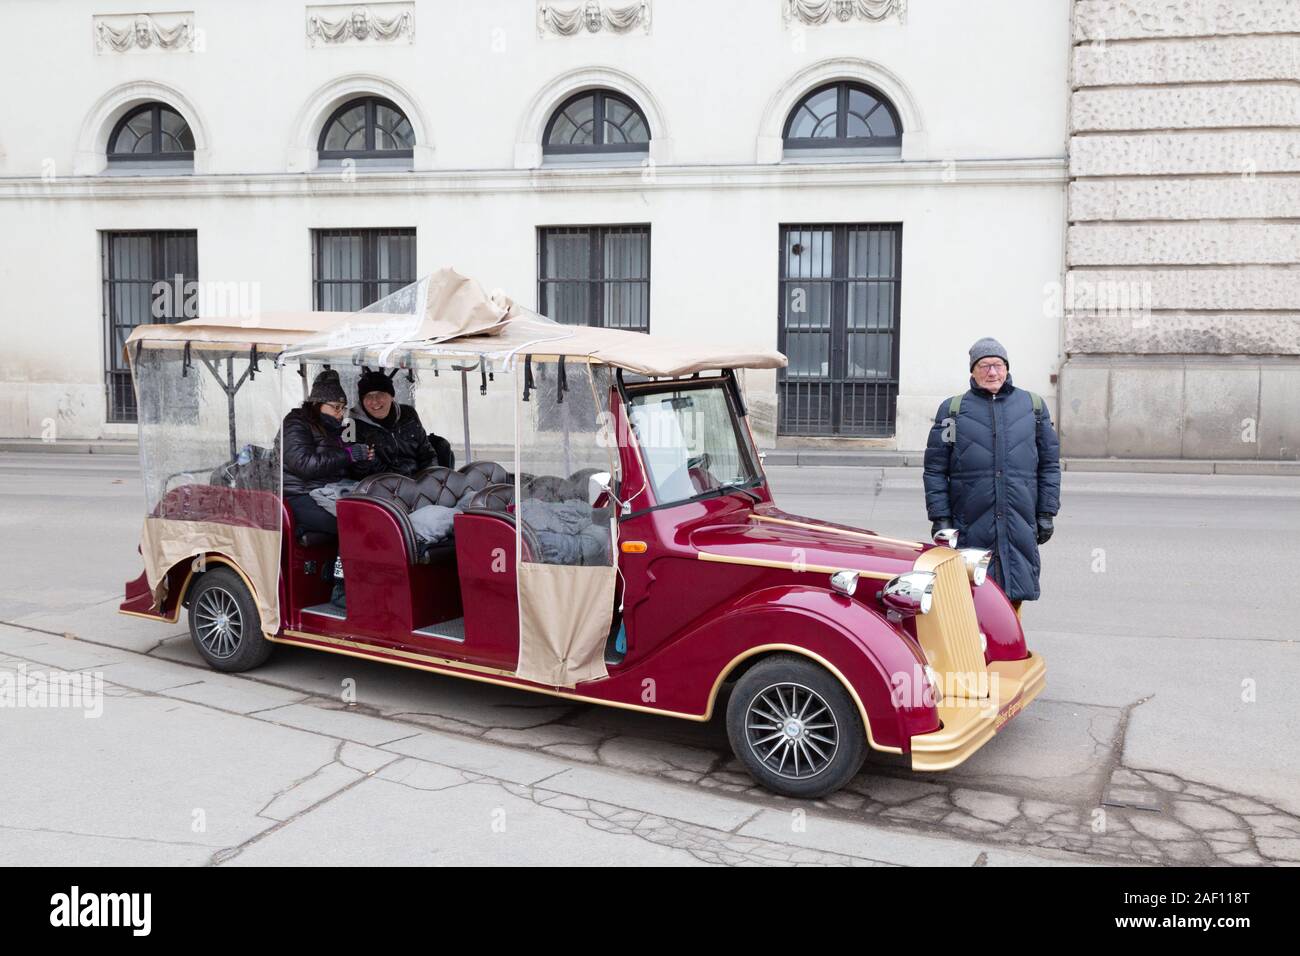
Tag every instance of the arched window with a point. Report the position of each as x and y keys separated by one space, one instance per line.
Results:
x=367 y=128
x=849 y=119
x=596 y=122
x=153 y=132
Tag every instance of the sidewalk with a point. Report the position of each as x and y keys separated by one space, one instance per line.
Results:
x=800 y=457
x=240 y=771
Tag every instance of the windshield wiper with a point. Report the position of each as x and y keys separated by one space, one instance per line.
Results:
x=746 y=485
x=729 y=487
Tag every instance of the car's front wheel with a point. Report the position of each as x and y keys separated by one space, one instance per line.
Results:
x=795 y=728
x=224 y=622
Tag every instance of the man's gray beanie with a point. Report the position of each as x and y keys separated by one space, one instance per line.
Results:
x=987 y=348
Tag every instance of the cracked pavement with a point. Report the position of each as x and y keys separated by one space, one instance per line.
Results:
x=1162 y=737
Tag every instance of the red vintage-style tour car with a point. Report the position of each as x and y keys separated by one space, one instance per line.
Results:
x=612 y=538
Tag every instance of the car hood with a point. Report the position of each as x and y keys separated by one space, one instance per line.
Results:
x=767 y=534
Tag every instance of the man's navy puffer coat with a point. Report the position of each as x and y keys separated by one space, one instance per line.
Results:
x=1002 y=470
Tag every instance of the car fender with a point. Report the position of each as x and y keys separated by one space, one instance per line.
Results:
x=999 y=623
x=857 y=644
x=180 y=578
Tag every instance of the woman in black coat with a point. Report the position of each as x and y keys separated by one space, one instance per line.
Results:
x=315 y=453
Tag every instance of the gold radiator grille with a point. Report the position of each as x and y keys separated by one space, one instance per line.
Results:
x=950 y=634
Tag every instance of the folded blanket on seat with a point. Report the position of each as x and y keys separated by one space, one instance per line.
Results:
x=432 y=523
x=327 y=496
x=565 y=533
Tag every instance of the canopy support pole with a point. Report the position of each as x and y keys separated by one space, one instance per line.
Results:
x=230 y=386
x=464 y=408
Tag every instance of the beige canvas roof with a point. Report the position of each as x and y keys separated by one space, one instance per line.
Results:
x=275 y=330
x=451 y=316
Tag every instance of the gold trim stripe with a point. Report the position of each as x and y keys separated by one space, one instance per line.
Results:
x=864 y=535
x=790 y=566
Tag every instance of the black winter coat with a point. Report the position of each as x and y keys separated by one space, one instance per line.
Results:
x=1002 y=470
x=400 y=445
x=315 y=455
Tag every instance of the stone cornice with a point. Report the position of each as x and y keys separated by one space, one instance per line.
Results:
x=1051 y=171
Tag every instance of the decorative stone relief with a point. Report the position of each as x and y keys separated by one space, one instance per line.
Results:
x=592 y=17
x=813 y=12
x=362 y=23
x=144 y=33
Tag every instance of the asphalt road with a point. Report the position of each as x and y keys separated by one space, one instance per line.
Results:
x=1165 y=734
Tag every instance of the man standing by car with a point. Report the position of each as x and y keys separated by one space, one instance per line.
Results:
x=993 y=471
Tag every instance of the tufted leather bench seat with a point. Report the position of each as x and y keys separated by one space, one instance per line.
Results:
x=555 y=488
x=400 y=495
x=495 y=497
x=480 y=474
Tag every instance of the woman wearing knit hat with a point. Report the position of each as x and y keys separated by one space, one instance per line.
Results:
x=315 y=453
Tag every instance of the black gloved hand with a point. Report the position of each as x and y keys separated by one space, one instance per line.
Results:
x=939 y=524
x=1044 y=528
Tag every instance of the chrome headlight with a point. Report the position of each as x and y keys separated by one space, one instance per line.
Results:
x=845 y=582
x=977 y=564
x=910 y=593
x=946 y=537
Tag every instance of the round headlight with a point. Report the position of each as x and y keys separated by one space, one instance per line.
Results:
x=977 y=564
x=910 y=593
x=845 y=582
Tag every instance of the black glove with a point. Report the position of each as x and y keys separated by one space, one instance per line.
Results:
x=939 y=524
x=1044 y=528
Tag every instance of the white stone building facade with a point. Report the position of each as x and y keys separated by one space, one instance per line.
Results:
x=950 y=229
x=1182 y=304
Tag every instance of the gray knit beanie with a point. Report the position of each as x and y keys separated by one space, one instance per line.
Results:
x=987 y=348
x=327 y=388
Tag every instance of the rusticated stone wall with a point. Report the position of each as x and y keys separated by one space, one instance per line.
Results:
x=1182 y=294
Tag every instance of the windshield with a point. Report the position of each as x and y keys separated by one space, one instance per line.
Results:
x=690 y=442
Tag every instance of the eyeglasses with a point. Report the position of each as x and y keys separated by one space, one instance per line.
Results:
x=339 y=405
x=991 y=367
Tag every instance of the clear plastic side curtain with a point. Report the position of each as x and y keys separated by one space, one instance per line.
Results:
x=566 y=530
x=209 y=427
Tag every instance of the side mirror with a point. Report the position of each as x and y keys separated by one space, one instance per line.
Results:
x=598 y=488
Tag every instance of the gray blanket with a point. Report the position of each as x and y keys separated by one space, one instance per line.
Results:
x=565 y=532
x=433 y=523
x=327 y=496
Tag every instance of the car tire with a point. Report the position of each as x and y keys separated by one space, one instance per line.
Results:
x=795 y=728
x=224 y=623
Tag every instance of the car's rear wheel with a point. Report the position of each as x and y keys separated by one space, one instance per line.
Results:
x=795 y=728
x=224 y=623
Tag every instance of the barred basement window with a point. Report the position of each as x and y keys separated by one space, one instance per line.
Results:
x=352 y=268
x=147 y=277
x=838 y=325
x=595 y=275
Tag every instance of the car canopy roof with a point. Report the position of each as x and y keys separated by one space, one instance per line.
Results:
x=447 y=315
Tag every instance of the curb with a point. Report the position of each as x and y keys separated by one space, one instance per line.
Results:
x=808 y=458
x=100 y=447
x=1153 y=466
